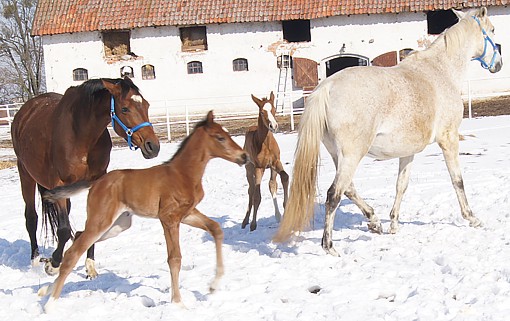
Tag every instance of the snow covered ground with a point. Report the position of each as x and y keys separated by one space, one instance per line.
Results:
x=435 y=268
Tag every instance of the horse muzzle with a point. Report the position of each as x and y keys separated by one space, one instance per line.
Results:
x=150 y=149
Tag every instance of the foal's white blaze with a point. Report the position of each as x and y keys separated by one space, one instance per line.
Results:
x=137 y=98
x=272 y=121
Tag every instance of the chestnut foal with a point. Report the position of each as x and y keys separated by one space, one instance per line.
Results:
x=264 y=152
x=170 y=192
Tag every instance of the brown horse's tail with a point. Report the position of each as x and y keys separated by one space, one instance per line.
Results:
x=53 y=216
x=299 y=210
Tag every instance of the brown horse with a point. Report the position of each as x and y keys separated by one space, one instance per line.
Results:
x=62 y=139
x=170 y=192
x=264 y=152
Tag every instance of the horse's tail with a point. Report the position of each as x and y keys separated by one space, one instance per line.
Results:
x=52 y=214
x=299 y=210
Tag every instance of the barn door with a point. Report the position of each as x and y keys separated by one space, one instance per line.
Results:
x=306 y=75
x=386 y=59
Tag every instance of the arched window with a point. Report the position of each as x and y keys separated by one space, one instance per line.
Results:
x=127 y=71
x=148 y=72
x=240 y=64
x=80 y=74
x=195 y=67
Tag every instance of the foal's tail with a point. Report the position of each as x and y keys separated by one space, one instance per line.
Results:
x=65 y=191
x=299 y=210
x=55 y=217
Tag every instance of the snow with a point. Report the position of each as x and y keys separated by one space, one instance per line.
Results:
x=435 y=268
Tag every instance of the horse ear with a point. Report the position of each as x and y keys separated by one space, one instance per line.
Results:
x=459 y=13
x=256 y=100
x=271 y=96
x=210 y=118
x=482 y=12
x=114 y=88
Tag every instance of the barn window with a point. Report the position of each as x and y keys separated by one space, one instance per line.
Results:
x=193 y=38
x=439 y=21
x=195 y=67
x=80 y=74
x=148 y=72
x=116 y=43
x=296 y=30
x=127 y=71
x=240 y=64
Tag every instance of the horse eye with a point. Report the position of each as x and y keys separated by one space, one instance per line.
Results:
x=220 y=139
x=125 y=109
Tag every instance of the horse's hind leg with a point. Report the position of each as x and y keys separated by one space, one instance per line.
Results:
x=199 y=220
x=273 y=187
x=90 y=265
x=450 y=147
x=345 y=172
x=404 y=169
x=374 y=223
x=28 y=192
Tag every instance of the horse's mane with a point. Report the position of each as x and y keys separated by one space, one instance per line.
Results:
x=451 y=39
x=94 y=87
x=186 y=140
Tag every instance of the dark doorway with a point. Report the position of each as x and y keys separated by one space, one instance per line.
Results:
x=336 y=64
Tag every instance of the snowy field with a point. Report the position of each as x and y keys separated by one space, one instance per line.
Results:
x=435 y=268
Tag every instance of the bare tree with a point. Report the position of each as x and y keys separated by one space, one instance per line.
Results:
x=21 y=55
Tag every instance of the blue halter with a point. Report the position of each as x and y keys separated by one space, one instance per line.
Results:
x=494 y=47
x=129 y=131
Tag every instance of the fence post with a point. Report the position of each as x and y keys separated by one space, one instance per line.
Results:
x=292 y=116
x=187 y=121
x=469 y=99
x=168 y=133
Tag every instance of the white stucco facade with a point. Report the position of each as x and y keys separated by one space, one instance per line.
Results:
x=219 y=87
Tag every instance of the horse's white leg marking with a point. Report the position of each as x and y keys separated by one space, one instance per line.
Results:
x=50 y=269
x=450 y=149
x=273 y=186
x=374 y=224
x=90 y=267
x=404 y=169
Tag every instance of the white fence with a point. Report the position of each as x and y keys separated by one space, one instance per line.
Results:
x=172 y=116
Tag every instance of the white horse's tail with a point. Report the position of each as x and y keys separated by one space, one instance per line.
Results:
x=299 y=210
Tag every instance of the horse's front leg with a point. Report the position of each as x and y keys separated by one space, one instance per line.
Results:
x=250 y=177
x=28 y=192
x=404 y=169
x=273 y=187
x=171 y=230
x=450 y=148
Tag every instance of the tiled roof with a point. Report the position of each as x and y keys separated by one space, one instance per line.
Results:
x=66 y=16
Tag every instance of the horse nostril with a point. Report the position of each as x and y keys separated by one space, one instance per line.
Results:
x=151 y=148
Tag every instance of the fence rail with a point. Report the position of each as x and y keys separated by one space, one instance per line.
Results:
x=166 y=118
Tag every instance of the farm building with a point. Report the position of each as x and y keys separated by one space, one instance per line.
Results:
x=214 y=54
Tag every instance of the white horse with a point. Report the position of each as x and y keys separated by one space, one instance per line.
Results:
x=387 y=113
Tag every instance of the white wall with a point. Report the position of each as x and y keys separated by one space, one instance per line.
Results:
x=219 y=87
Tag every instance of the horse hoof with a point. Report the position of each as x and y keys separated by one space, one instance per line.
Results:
x=393 y=228
x=43 y=291
x=253 y=227
x=375 y=227
x=50 y=269
x=476 y=223
x=332 y=252
x=91 y=269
